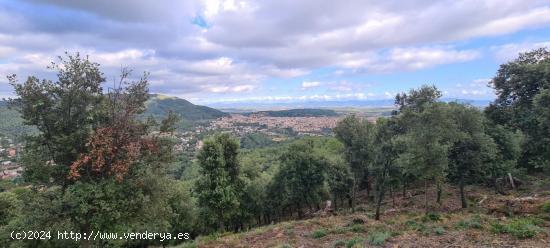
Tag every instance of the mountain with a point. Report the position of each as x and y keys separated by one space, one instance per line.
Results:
x=374 y=103
x=158 y=106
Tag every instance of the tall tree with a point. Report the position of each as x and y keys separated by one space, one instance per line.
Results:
x=517 y=83
x=219 y=185
x=471 y=149
x=357 y=136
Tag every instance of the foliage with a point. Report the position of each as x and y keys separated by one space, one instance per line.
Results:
x=219 y=186
x=518 y=84
x=520 y=228
x=378 y=238
x=319 y=233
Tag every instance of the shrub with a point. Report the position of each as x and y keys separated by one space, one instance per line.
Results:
x=317 y=234
x=545 y=207
x=520 y=228
x=378 y=238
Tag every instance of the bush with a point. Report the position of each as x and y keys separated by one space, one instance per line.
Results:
x=378 y=238
x=520 y=228
x=317 y=234
x=545 y=207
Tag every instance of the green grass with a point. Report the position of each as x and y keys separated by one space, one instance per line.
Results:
x=357 y=228
x=431 y=217
x=317 y=234
x=545 y=207
x=356 y=242
x=520 y=228
x=339 y=243
x=439 y=230
x=378 y=238
x=474 y=222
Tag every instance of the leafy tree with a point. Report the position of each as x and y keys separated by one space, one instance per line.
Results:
x=96 y=166
x=427 y=144
x=472 y=148
x=517 y=83
x=387 y=150
x=301 y=178
x=64 y=111
x=219 y=186
x=357 y=135
x=417 y=99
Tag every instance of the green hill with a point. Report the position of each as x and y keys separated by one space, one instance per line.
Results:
x=11 y=124
x=159 y=105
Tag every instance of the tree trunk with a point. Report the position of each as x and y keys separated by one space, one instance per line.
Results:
x=392 y=197
x=426 y=195
x=439 y=192
x=379 y=203
x=462 y=197
x=221 y=224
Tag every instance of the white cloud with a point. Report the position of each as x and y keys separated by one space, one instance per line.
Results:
x=310 y=84
x=507 y=52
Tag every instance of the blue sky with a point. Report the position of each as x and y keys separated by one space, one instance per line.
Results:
x=215 y=51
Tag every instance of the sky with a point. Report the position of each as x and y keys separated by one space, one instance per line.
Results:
x=268 y=51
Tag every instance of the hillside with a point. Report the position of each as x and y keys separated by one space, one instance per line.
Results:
x=159 y=105
x=11 y=124
x=299 y=113
x=520 y=219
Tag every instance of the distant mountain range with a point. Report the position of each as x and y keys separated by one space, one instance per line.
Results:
x=258 y=106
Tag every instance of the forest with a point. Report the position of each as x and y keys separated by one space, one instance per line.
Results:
x=95 y=165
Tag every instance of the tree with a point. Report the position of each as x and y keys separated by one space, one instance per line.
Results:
x=471 y=150
x=542 y=110
x=64 y=112
x=301 y=177
x=218 y=187
x=417 y=99
x=94 y=162
x=516 y=84
x=387 y=152
x=427 y=140
x=168 y=125
x=357 y=135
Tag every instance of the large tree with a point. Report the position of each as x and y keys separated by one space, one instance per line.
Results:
x=218 y=188
x=517 y=84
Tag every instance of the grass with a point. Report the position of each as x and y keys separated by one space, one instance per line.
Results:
x=474 y=222
x=545 y=207
x=439 y=230
x=431 y=217
x=319 y=233
x=356 y=242
x=520 y=227
x=339 y=243
x=378 y=238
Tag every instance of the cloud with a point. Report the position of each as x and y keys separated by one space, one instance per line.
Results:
x=507 y=52
x=240 y=45
x=310 y=84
